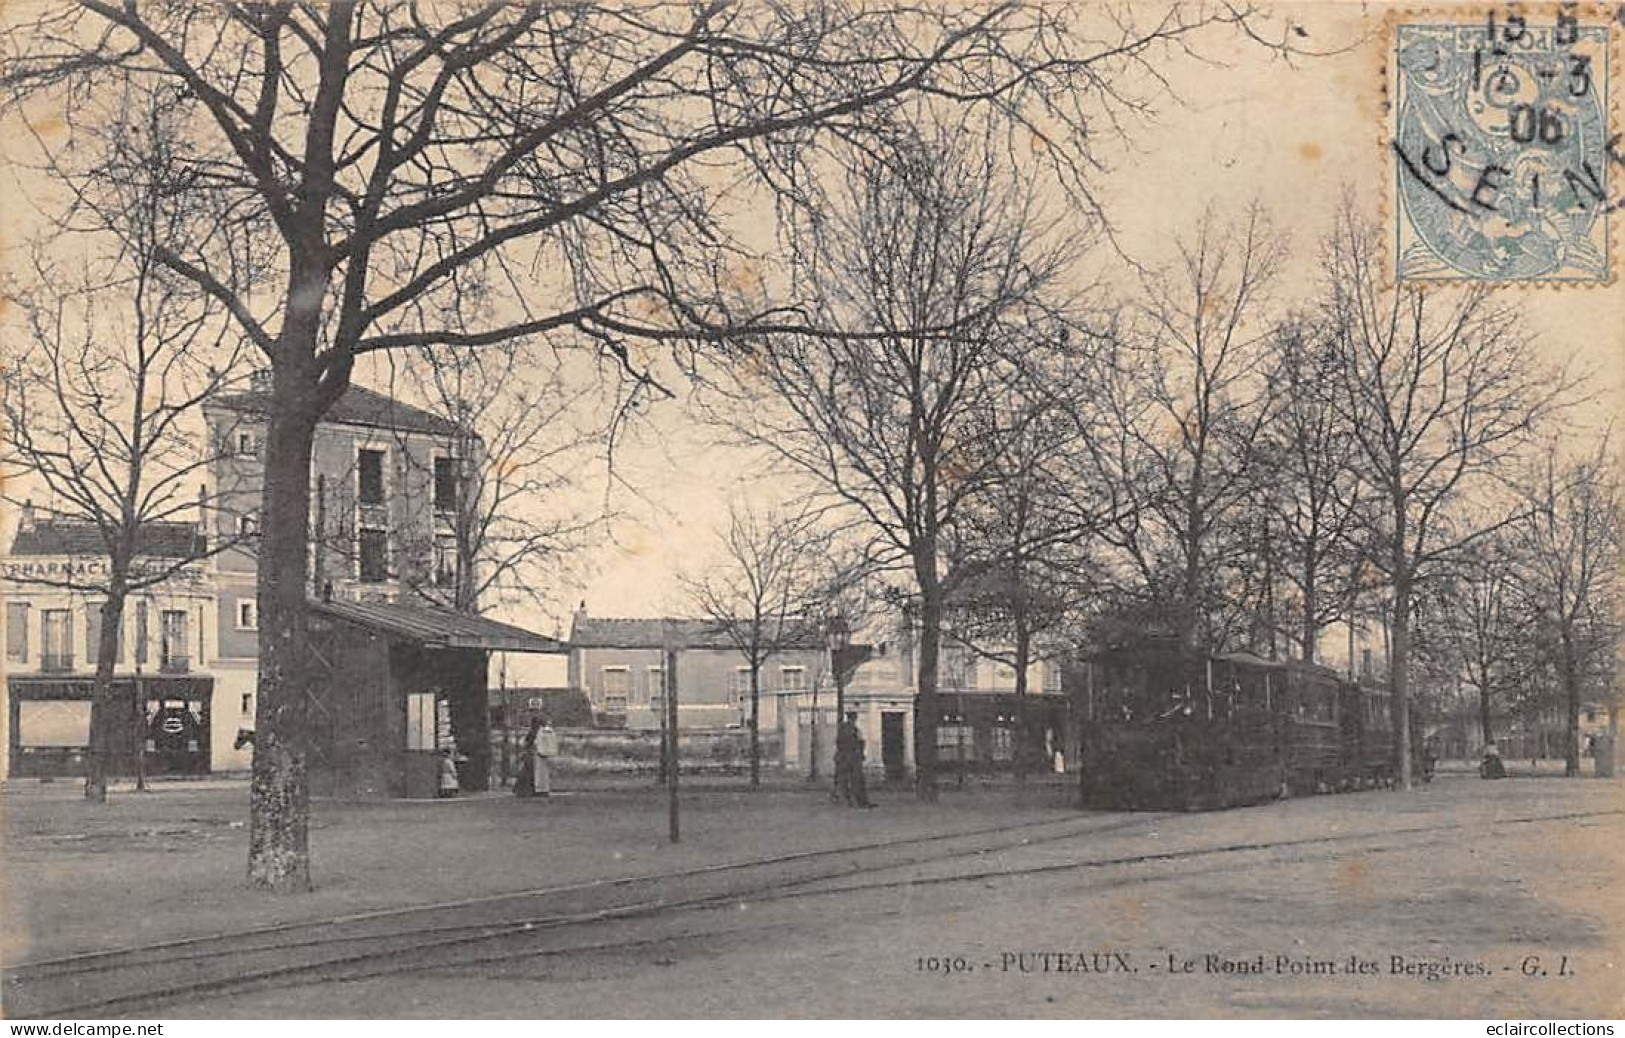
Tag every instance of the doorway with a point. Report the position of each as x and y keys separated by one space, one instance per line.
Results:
x=892 y=753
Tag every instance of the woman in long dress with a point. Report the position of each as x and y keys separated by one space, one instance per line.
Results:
x=524 y=783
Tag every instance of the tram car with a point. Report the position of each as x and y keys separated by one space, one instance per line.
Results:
x=1164 y=727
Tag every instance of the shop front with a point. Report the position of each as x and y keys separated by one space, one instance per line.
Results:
x=166 y=719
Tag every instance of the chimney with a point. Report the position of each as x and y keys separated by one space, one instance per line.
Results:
x=202 y=510
x=25 y=517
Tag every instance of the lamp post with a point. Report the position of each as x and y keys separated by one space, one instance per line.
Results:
x=839 y=633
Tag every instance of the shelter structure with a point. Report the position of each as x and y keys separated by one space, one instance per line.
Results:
x=402 y=685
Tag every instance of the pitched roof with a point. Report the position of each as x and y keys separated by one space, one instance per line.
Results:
x=439 y=628
x=615 y=632
x=358 y=406
x=161 y=540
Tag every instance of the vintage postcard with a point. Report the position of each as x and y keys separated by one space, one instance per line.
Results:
x=811 y=510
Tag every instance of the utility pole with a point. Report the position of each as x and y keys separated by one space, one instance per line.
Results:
x=672 y=766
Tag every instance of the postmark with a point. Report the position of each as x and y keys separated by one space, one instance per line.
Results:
x=1506 y=166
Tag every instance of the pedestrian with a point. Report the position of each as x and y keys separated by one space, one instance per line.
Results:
x=854 y=790
x=1491 y=767
x=545 y=749
x=448 y=774
x=843 y=762
x=524 y=783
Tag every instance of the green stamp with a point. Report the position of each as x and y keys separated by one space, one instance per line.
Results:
x=1504 y=156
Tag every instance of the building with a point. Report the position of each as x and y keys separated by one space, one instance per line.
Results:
x=619 y=664
x=385 y=484
x=169 y=651
x=978 y=710
x=383 y=488
x=409 y=676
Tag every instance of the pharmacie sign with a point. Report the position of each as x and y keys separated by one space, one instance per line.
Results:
x=63 y=569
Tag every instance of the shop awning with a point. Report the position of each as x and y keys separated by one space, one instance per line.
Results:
x=439 y=628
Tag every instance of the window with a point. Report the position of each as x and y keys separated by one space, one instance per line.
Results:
x=420 y=721
x=248 y=526
x=955 y=739
x=173 y=656
x=740 y=687
x=56 y=640
x=248 y=704
x=1052 y=677
x=370 y=477
x=373 y=561
x=793 y=679
x=248 y=443
x=445 y=560
x=1003 y=742
x=248 y=614
x=445 y=485
x=617 y=684
x=17 y=631
x=657 y=685
x=54 y=723
x=93 y=637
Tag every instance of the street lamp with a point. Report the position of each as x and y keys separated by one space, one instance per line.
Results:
x=839 y=633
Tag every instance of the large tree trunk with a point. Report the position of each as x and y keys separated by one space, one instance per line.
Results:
x=756 y=726
x=1310 y=632
x=279 y=815
x=1191 y=611
x=1023 y=648
x=1571 y=695
x=925 y=706
x=1399 y=664
x=105 y=711
x=1486 y=724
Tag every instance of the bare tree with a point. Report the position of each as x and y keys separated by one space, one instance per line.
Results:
x=1570 y=555
x=103 y=409
x=1313 y=490
x=1438 y=391
x=1028 y=535
x=890 y=426
x=1188 y=395
x=1481 y=619
x=378 y=178
x=508 y=488
x=759 y=594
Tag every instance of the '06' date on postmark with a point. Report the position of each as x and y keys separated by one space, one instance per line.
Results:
x=1504 y=153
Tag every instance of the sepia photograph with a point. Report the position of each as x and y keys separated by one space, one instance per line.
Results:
x=811 y=509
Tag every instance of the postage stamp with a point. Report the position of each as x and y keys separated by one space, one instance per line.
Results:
x=1505 y=161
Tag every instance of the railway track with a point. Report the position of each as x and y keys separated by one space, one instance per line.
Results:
x=605 y=917
x=121 y=980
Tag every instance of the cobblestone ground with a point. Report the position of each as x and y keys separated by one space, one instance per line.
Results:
x=1461 y=899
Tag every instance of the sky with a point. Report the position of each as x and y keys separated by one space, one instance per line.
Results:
x=1240 y=124
x=1246 y=125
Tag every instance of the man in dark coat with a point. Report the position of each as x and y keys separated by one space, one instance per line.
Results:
x=849 y=763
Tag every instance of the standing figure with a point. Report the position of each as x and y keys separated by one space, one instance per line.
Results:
x=546 y=748
x=524 y=783
x=449 y=786
x=1491 y=767
x=849 y=763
